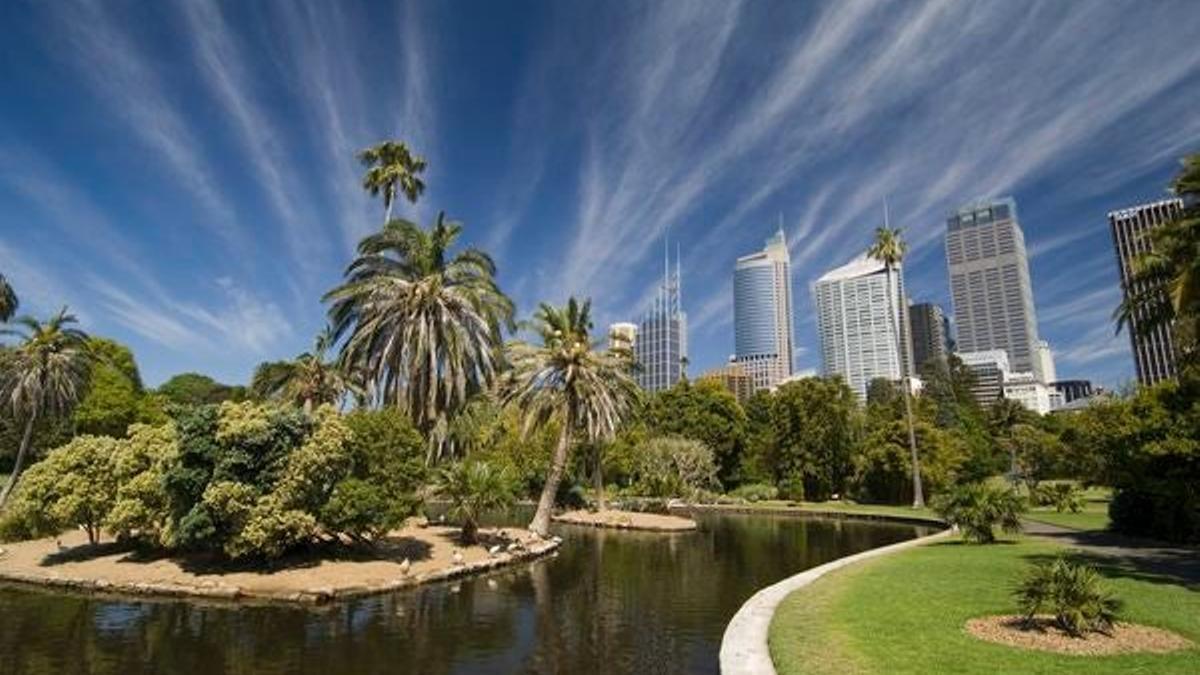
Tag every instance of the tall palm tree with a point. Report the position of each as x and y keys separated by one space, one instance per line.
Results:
x=392 y=168
x=568 y=378
x=309 y=379
x=8 y=300
x=47 y=377
x=1165 y=284
x=422 y=326
x=889 y=248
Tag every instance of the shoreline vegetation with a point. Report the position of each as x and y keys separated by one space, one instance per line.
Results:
x=411 y=556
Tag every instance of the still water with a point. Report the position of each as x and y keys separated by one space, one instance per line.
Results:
x=608 y=602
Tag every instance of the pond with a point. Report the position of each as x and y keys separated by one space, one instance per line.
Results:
x=608 y=602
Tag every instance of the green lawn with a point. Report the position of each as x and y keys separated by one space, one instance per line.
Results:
x=850 y=507
x=1094 y=515
x=905 y=614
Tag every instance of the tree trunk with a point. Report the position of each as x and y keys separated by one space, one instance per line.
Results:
x=387 y=210
x=308 y=406
x=541 y=519
x=918 y=492
x=16 y=472
x=598 y=479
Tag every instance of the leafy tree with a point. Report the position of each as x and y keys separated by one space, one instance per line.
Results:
x=73 y=485
x=392 y=169
x=977 y=509
x=141 y=509
x=191 y=389
x=675 y=467
x=882 y=473
x=306 y=381
x=1037 y=454
x=590 y=392
x=114 y=396
x=889 y=248
x=815 y=424
x=474 y=488
x=8 y=300
x=46 y=376
x=758 y=461
x=1164 y=289
x=706 y=412
x=422 y=325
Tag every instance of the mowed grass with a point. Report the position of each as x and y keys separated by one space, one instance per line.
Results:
x=1093 y=516
x=905 y=613
x=850 y=507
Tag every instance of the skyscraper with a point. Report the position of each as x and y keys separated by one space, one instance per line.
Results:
x=622 y=334
x=989 y=283
x=764 y=340
x=930 y=331
x=1153 y=351
x=856 y=321
x=660 y=347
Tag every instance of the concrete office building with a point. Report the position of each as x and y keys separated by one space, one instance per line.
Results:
x=1073 y=390
x=989 y=284
x=622 y=334
x=1153 y=351
x=857 y=323
x=764 y=337
x=990 y=369
x=734 y=378
x=930 y=331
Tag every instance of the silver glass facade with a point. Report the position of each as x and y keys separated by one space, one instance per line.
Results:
x=660 y=347
x=858 y=323
x=1153 y=351
x=764 y=338
x=989 y=283
x=930 y=331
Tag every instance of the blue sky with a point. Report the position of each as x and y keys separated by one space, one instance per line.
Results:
x=182 y=175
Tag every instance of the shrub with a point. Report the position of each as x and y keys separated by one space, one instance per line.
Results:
x=141 y=510
x=73 y=486
x=755 y=492
x=1062 y=496
x=474 y=488
x=977 y=509
x=669 y=466
x=1072 y=593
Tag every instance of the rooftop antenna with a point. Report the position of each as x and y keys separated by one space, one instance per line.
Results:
x=887 y=221
x=678 y=277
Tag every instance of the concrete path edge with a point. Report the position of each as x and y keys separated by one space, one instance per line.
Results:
x=744 y=649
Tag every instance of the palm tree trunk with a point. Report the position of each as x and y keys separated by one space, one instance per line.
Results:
x=308 y=406
x=387 y=211
x=918 y=492
x=541 y=518
x=598 y=479
x=16 y=472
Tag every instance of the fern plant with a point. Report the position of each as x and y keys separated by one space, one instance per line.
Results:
x=1072 y=593
x=978 y=509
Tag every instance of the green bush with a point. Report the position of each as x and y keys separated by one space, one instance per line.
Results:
x=977 y=509
x=755 y=492
x=1071 y=593
x=1062 y=496
x=73 y=486
x=674 y=467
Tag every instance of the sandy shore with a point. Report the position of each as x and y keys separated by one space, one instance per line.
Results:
x=628 y=520
x=69 y=562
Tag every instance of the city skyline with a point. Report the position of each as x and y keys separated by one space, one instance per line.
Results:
x=218 y=198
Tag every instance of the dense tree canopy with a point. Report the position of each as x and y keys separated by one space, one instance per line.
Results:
x=706 y=412
x=191 y=389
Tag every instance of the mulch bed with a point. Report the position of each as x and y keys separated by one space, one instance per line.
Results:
x=1126 y=638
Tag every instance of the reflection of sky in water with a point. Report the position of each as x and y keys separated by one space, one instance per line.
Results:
x=118 y=617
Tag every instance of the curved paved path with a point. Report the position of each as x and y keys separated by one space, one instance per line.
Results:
x=744 y=649
x=1127 y=556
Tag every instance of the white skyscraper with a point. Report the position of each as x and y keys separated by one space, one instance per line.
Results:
x=622 y=334
x=660 y=345
x=856 y=321
x=764 y=340
x=990 y=286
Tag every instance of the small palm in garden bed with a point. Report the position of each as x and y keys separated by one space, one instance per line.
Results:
x=473 y=489
x=1072 y=593
x=977 y=509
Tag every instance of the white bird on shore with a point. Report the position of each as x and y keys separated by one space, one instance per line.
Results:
x=495 y=550
x=404 y=566
x=457 y=557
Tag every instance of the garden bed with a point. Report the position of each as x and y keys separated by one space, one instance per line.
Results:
x=315 y=577
x=1042 y=634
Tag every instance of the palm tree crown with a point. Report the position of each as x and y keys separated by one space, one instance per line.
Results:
x=308 y=380
x=47 y=377
x=392 y=168
x=589 y=391
x=8 y=300
x=1164 y=289
x=422 y=326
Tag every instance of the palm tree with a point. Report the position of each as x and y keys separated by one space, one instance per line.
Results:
x=8 y=300
x=589 y=391
x=474 y=488
x=391 y=169
x=309 y=379
x=47 y=377
x=1164 y=289
x=422 y=326
x=889 y=248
